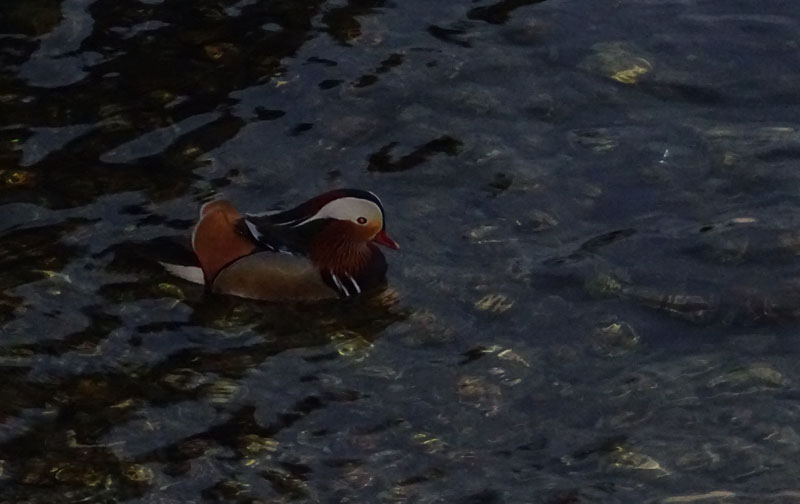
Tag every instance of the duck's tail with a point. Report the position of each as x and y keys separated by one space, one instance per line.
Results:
x=193 y=274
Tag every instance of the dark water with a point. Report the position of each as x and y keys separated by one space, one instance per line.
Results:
x=597 y=299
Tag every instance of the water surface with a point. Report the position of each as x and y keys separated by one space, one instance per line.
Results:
x=597 y=297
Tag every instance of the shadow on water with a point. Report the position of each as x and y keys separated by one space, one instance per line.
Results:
x=499 y=12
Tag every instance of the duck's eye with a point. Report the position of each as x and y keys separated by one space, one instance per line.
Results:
x=361 y=220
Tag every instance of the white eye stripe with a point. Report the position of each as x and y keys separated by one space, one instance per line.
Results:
x=349 y=208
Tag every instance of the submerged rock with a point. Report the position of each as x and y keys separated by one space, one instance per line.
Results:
x=536 y=221
x=620 y=61
x=476 y=392
x=614 y=339
x=627 y=459
x=695 y=308
x=494 y=303
x=596 y=139
x=351 y=344
x=222 y=391
x=747 y=379
x=740 y=141
x=602 y=285
x=137 y=473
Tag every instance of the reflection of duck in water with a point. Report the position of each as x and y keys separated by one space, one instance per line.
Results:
x=321 y=249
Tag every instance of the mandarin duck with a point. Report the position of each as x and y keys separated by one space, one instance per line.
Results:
x=321 y=249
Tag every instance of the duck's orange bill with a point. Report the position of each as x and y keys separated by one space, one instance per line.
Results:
x=384 y=240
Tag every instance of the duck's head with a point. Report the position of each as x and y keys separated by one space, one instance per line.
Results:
x=352 y=215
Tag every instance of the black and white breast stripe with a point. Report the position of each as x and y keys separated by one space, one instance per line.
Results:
x=347 y=286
